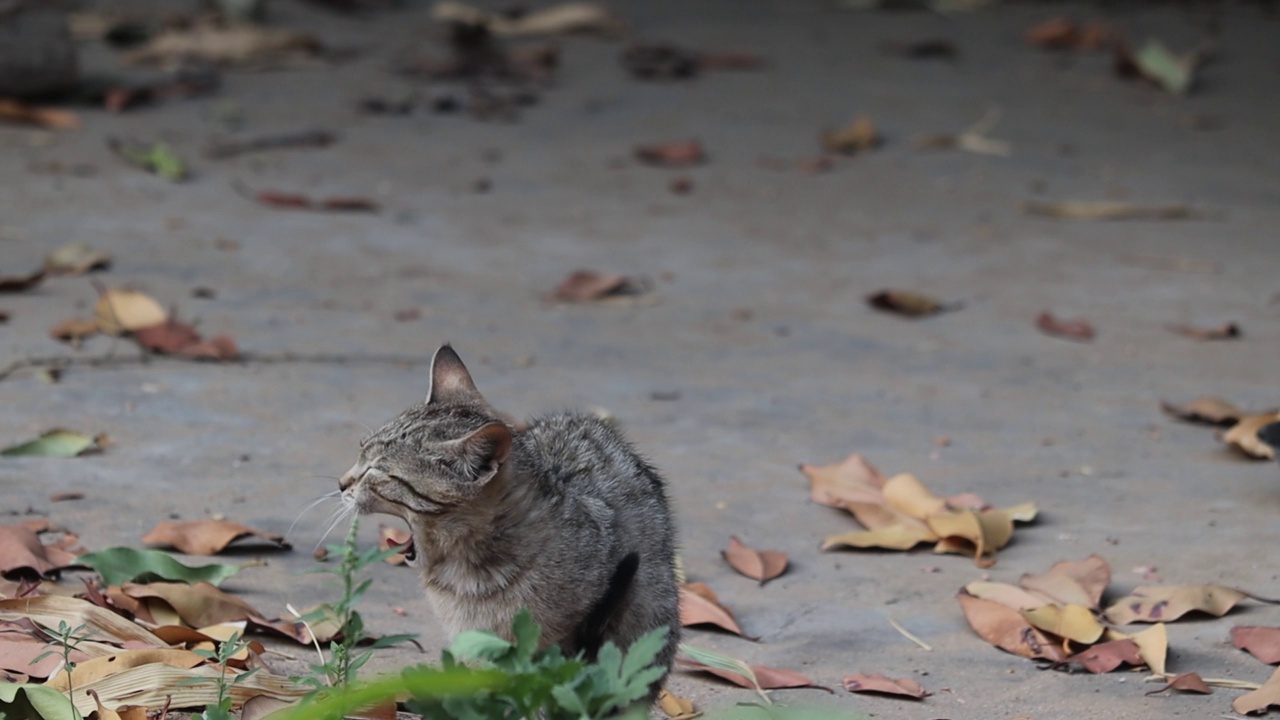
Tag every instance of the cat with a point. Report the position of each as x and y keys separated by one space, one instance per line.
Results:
x=560 y=516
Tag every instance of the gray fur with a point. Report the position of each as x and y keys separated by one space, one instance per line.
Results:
x=538 y=517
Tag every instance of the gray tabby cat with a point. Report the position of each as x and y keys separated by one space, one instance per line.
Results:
x=561 y=517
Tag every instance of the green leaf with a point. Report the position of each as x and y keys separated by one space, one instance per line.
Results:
x=1169 y=71
x=19 y=700
x=388 y=640
x=421 y=682
x=569 y=700
x=526 y=632
x=610 y=660
x=55 y=443
x=479 y=645
x=119 y=565
x=724 y=662
x=644 y=651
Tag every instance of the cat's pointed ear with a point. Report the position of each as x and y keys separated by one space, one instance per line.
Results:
x=450 y=381
x=485 y=450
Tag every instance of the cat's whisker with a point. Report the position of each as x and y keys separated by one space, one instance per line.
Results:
x=309 y=507
x=341 y=513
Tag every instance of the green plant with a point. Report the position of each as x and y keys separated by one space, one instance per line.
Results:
x=345 y=660
x=67 y=639
x=227 y=650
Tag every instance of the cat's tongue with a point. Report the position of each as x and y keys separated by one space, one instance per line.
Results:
x=406 y=548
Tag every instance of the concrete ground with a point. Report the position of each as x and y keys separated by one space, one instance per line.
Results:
x=756 y=321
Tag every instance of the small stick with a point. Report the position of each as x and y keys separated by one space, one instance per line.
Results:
x=907 y=634
x=307 y=139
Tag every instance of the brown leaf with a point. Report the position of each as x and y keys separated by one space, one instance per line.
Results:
x=858 y=136
x=21 y=283
x=206 y=537
x=1107 y=656
x=1063 y=33
x=672 y=154
x=1077 y=329
x=221 y=347
x=21 y=113
x=1079 y=582
x=1243 y=436
x=700 y=606
x=1007 y=629
x=389 y=537
x=76 y=258
x=167 y=338
x=907 y=303
x=1260 y=642
x=1186 y=682
x=1260 y=699
x=1164 y=604
x=119 y=311
x=589 y=285
x=240 y=44
x=199 y=605
x=22 y=551
x=1205 y=409
x=65 y=496
x=1228 y=331
x=1112 y=210
x=74 y=330
x=1008 y=595
x=861 y=683
x=762 y=565
x=295 y=201
x=769 y=678
x=853 y=480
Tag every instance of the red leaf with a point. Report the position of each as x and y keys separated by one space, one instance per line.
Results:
x=762 y=565
x=883 y=684
x=1077 y=329
x=1260 y=642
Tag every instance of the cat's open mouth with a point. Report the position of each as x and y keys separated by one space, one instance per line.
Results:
x=406 y=548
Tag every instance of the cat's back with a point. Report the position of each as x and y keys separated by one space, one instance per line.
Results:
x=578 y=453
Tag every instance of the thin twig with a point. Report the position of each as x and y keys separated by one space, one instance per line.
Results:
x=907 y=634
x=286 y=357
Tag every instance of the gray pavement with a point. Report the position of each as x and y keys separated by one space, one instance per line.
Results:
x=756 y=320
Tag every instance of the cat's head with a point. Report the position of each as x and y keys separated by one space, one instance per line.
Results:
x=435 y=457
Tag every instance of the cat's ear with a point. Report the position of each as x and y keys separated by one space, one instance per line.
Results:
x=485 y=450
x=450 y=381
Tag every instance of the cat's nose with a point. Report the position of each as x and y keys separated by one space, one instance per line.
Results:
x=349 y=478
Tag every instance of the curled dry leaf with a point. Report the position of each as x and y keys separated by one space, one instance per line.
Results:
x=198 y=605
x=389 y=537
x=1008 y=595
x=76 y=258
x=1153 y=646
x=858 y=136
x=119 y=311
x=1259 y=700
x=1260 y=642
x=1227 y=331
x=853 y=480
x=1007 y=629
x=21 y=283
x=206 y=537
x=21 y=113
x=240 y=44
x=1186 y=682
x=1107 y=656
x=862 y=683
x=74 y=331
x=589 y=285
x=1205 y=409
x=21 y=552
x=167 y=338
x=1112 y=210
x=762 y=565
x=1165 y=604
x=767 y=678
x=1077 y=329
x=100 y=667
x=1062 y=33
x=1079 y=582
x=676 y=707
x=1243 y=436
x=700 y=606
x=673 y=154
x=1071 y=622
x=566 y=17
x=907 y=303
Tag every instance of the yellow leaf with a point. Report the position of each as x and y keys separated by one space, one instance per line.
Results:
x=893 y=537
x=90 y=671
x=1072 y=581
x=1260 y=699
x=677 y=708
x=1006 y=594
x=1153 y=647
x=1244 y=436
x=853 y=480
x=972 y=533
x=119 y=311
x=1025 y=513
x=905 y=493
x=1161 y=604
x=1073 y=622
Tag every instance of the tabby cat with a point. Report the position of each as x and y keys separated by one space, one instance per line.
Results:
x=561 y=517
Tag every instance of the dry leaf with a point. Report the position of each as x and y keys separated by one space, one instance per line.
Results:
x=74 y=330
x=899 y=536
x=972 y=533
x=1077 y=329
x=1260 y=642
x=1111 y=210
x=198 y=605
x=21 y=113
x=862 y=683
x=1205 y=409
x=762 y=565
x=21 y=283
x=1007 y=629
x=700 y=606
x=1008 y=595
x=100 y=667
x=76 y=258
x=907 y=303
x=1186 y=682
x=769 y=678
x=567 y=17
x=118 y=311
x=1228 y=331
x=1107 y=656
x=1153 y=646
x=22 y=551
x=219 y=348
x=167 y=338
x=206 y=537
x=854 y=480
x=1243 y=436
x=242 y=44
x=1072 y=622
x=676 y=707
x=1063 y=33
x=856 y=137
x=1068 y=582
x=1165 y=604
x=589 y=285
x=389 y=537
x=1260 y=699
x=672 y=154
